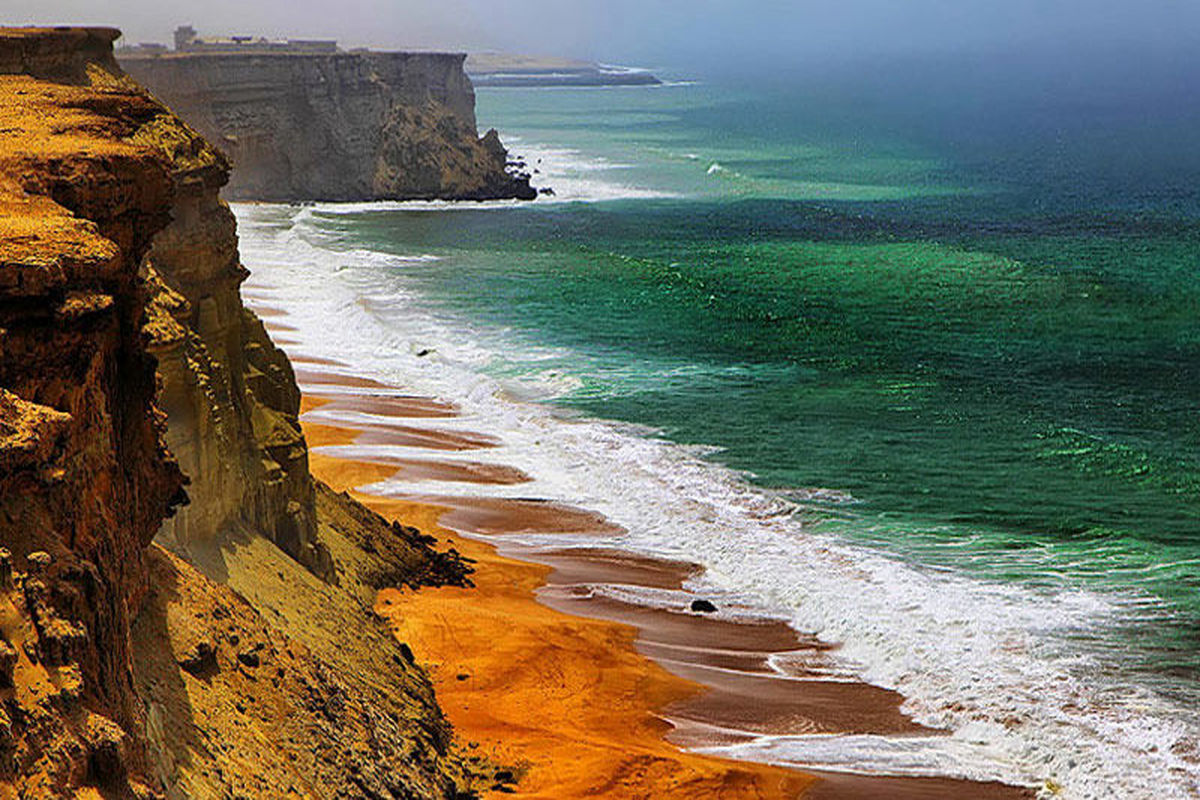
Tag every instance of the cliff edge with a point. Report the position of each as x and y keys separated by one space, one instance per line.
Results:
x=340 y=126
x=255 y=668
x=229 y=394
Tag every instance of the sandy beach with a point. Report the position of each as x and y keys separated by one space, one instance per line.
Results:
x=582 y=692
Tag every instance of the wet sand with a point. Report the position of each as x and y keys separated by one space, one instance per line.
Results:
x=585 y=564
x=266 y=312
x=317 y=360
x=315 y=377
x=568 y=701
x=548 y=665
x=394 y=406
x=415 y=470
x=374 y=418
x=425 y=438
x=494 y=516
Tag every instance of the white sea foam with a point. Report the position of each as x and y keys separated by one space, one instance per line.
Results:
x=617 y=69
x=418 y=205
x=993 y=663
x=576 y=177
x=600 y=87
x=958 y=756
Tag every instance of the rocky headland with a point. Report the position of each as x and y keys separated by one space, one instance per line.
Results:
x=237 y=655
x=344 y=126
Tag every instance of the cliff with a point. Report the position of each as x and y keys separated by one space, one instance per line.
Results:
x=84 y=477
x=125 y=670
x=343 y=126
x=229 y=394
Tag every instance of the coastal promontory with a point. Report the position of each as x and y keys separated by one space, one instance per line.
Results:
x=336 y=126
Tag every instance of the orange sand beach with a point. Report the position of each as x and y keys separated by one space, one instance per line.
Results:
x=581 y=695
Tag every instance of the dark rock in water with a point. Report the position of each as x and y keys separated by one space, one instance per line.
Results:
x=703 y=607
x=423 y=353
x=547 y=191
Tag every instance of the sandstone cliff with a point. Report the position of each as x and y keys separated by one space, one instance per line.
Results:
x=229 y=394
x=345 y=126
x=124 y=670
x=84 y=477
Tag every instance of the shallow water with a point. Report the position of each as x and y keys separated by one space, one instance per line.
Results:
x=934 y=400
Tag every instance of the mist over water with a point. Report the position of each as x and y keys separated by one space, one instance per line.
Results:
x=789 y=39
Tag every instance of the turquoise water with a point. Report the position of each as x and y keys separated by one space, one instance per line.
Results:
x=979 y=341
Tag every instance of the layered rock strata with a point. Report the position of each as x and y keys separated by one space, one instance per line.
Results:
x=345 y=126
x=85 y=480
x=124 y=671
x=229 y=394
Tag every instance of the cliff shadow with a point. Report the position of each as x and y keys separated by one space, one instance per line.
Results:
x=171 y=725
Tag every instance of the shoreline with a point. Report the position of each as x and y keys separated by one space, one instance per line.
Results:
x=669 y=681
x=462 y=635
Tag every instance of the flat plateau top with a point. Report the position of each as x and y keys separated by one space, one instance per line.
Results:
x=60 y=32
x=176 y=56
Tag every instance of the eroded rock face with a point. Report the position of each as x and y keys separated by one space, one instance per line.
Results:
x=346 y=126
x=230 y=395
x=123 y=671
x=85 y=480
x=352 y=728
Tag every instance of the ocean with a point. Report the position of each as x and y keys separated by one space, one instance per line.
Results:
x=921 y=376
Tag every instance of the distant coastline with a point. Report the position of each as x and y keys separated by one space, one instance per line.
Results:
x=484 y=69
x=504 y=69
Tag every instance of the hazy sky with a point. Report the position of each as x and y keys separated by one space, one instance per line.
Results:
x=662 y=32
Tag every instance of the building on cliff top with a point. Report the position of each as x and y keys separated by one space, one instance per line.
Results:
x=188 y=41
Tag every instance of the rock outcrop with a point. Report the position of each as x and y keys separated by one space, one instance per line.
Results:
x=124 y=670
x=230 y=395
x=85 y=480
x=343 y=126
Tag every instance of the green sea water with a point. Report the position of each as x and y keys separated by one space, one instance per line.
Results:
x=976 y=332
